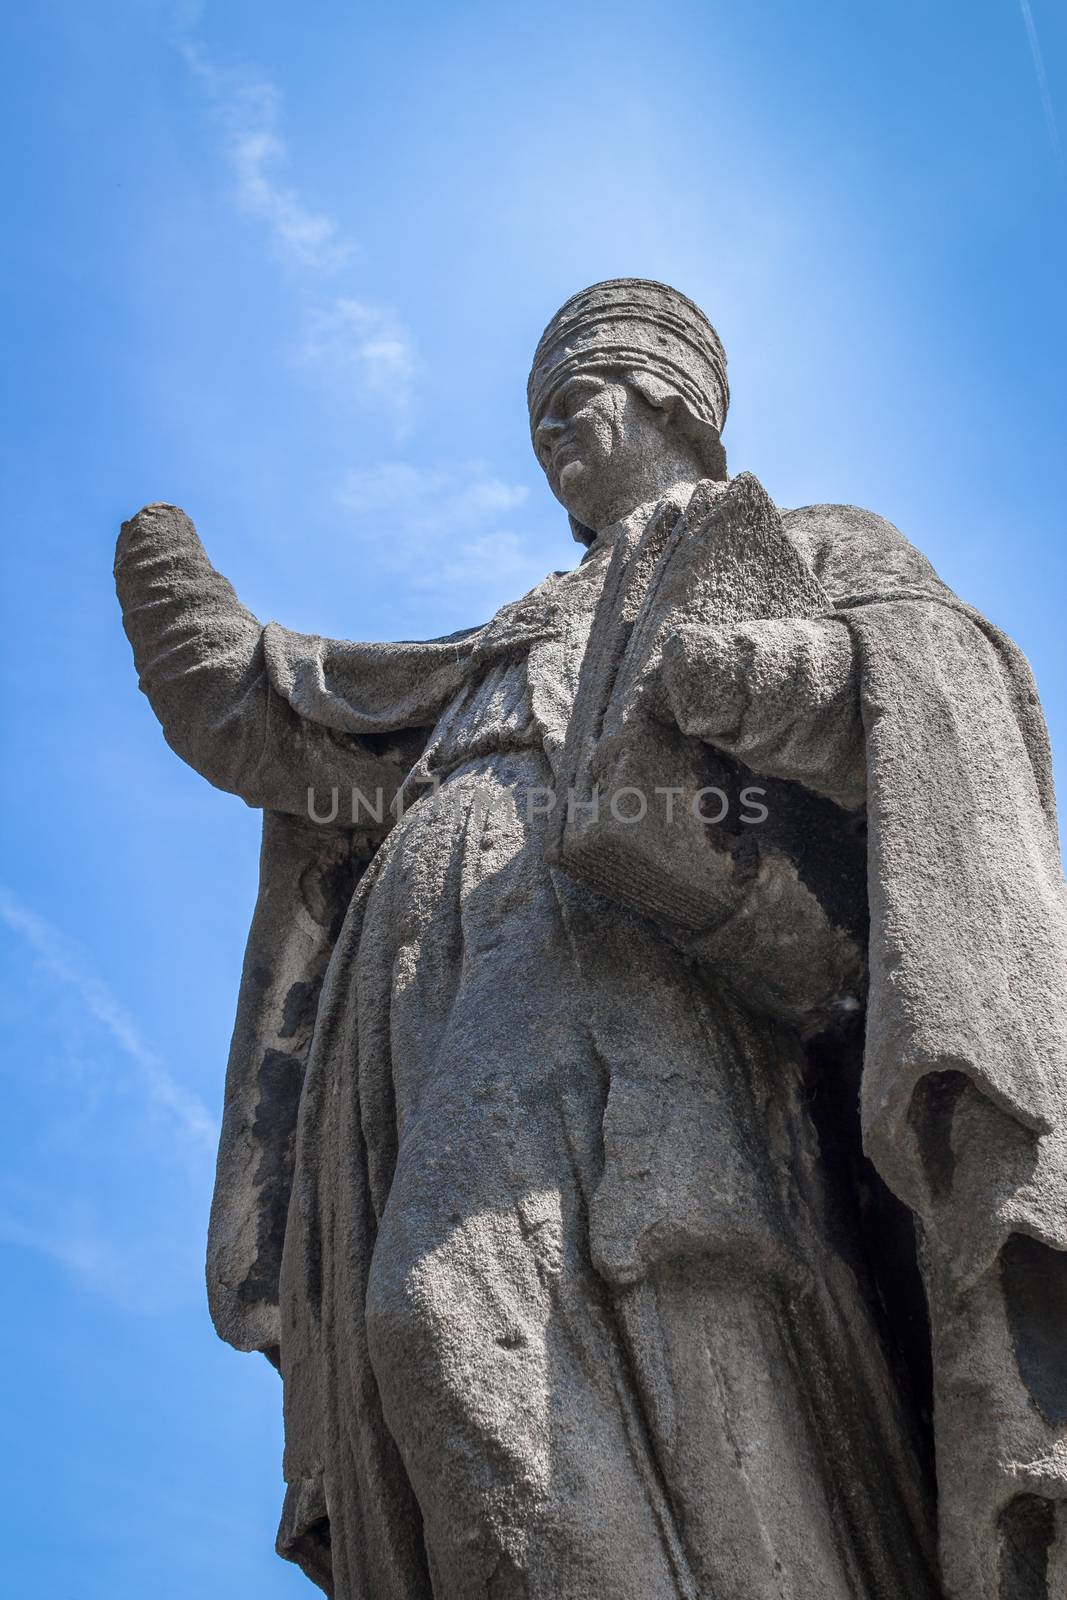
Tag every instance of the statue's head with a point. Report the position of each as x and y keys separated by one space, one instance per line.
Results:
x=628 y=397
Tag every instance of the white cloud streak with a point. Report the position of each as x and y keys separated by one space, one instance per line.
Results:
x=309 y=237
x=1042 y=79
x=67 y=965
x=248 y=110
x=344 y=336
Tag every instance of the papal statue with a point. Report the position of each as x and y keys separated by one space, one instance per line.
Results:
x=645 y=1140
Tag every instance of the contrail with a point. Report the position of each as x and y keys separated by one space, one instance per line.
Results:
x=1042 y=79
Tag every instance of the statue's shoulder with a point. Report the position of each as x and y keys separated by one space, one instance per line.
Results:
x=854 y=551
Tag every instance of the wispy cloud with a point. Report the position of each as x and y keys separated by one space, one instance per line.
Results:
x=68 y=966
x=142 y=1270
x=428 y=497
x=1042 y=78
x=248 y=110
x=309 y=236
x=500 y=558
x=67 y=1235
x=352 y=337
x=343 y=335
x=73 y=1242
x=447 y=528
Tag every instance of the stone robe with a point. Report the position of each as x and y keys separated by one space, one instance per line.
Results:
x=578 y=1280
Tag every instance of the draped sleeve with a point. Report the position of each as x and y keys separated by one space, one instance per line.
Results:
x=264 y=712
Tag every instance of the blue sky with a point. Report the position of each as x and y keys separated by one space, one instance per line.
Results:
x=286 y=266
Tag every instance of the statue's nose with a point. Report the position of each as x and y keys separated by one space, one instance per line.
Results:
x=545 y=435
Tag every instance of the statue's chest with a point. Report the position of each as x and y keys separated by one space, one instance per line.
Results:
x=523 y=677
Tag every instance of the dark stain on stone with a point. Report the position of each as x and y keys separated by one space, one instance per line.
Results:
x=326 y=887
x=298 y=1012
x=281 y=1078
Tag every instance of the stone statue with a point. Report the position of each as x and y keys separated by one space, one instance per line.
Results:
x=672 y=1214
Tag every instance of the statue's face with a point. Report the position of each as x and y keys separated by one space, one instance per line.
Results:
x=598 y=442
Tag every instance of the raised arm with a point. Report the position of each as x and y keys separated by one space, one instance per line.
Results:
x=781 y=695
x=200 y=657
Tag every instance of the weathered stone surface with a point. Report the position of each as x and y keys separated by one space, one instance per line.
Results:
x=606 y=1252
